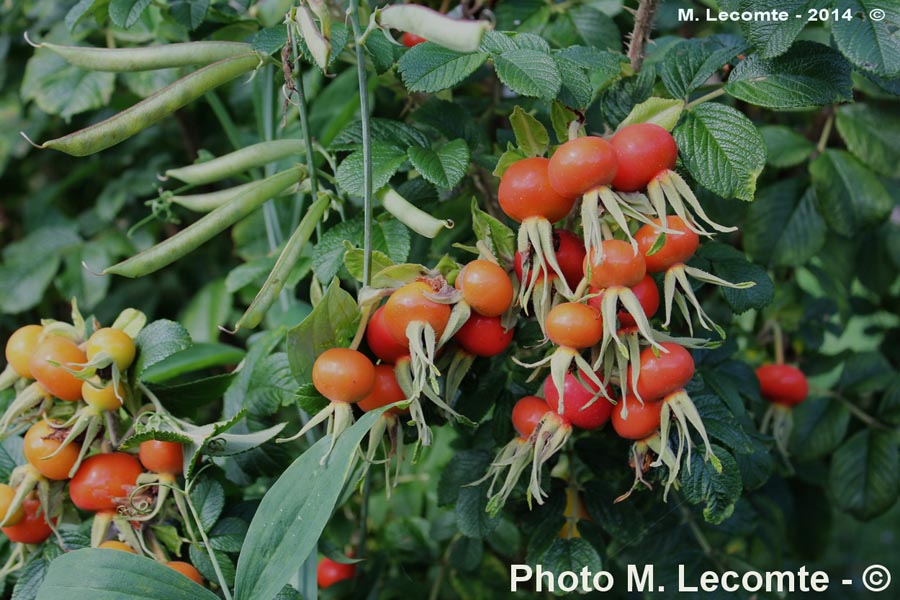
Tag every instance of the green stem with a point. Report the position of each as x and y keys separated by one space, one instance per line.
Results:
x=826 y=133
x=228 y=126
x=212 y=555
x=364 y=515
x=366 y=142
x=303 y=111
x=705 y=98
x=779 y=342
x=856 y=411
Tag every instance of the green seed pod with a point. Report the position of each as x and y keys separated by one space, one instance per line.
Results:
x=459 y=35
x=152 y=109
x=200 y=232
x=148 y=58
x=286 y=261
x=237 y=162
x=410 y=215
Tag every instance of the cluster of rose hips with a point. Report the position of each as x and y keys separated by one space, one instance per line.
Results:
x=72 y=393
x=594 y=296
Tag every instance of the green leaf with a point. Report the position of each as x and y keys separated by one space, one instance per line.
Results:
x=207 y=311
x=498 y=237
x=199 y=557
x=738 y=271
x=228 y=534
x=850 y=195
x=386 y=159
x=510 y=156
x=594 y=28
x=531 y=136
x=444 y=167
x=888 y=409
x=810 y=74
x=112 y=575
x=269 y=40
x=659 y=111
x=560 y=118
x=428 y=67
x=703 y=484
x=863 y=478
x=81 y=10
x=472 y=517
x=465 y=467
x=872 y=134
x=194 y=358
x=158 y=341
x=785 y=147
x=617 y=101
x=310 y=400
x=800 y=232
x=873 y=46
x=571 y=554
x=62 y=89
x=332 y=323
x=272 y=385
x=722 y=426
x=189 y=13
x=722 y=150
x=820 y=425
x=381 y=51
x=354 y=258
x=576 y=89
x=388 y=131
x=529 y=73
x=126 y=13
x=22 y=286
x=690 y=63
x=773 y=38
x=294 y=512
x=208 y=497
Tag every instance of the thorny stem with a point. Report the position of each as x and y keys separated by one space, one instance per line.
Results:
x=643 y=24
x=705 y=98
x=366 y=142
x=826 y=132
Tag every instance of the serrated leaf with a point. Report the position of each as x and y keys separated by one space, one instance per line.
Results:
x=722 y=426
x=785 y=147
x=531 y=136
x=465 y=467
x=271 y=385
x=529 y=73
x=850 y=195
x=572 y=554
x=208 y=497
x=189 y=13
x=594 y=28
x=865 y=474
x=722 y=150
x=872 y=134
x=386 y=160
x=690 y=63
x=126 y=13
x=269 y=40
x=510 y=156
x=801 y=231
x=309 y=399
x=354 y=258
x=428 y=67
x=773 y=38
x=332 y=323
x=227 y=535
x=156 y=342
x=820 y=425
x=738 y=271
x=703 y=484
x=576 y=89
x=659 y=111
x=445 y=166
x=388 y=131
x=810 y=74
x=472 y=517
x=62 y=89
x=498 y=237
x=871 y=45
x=617 y=101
